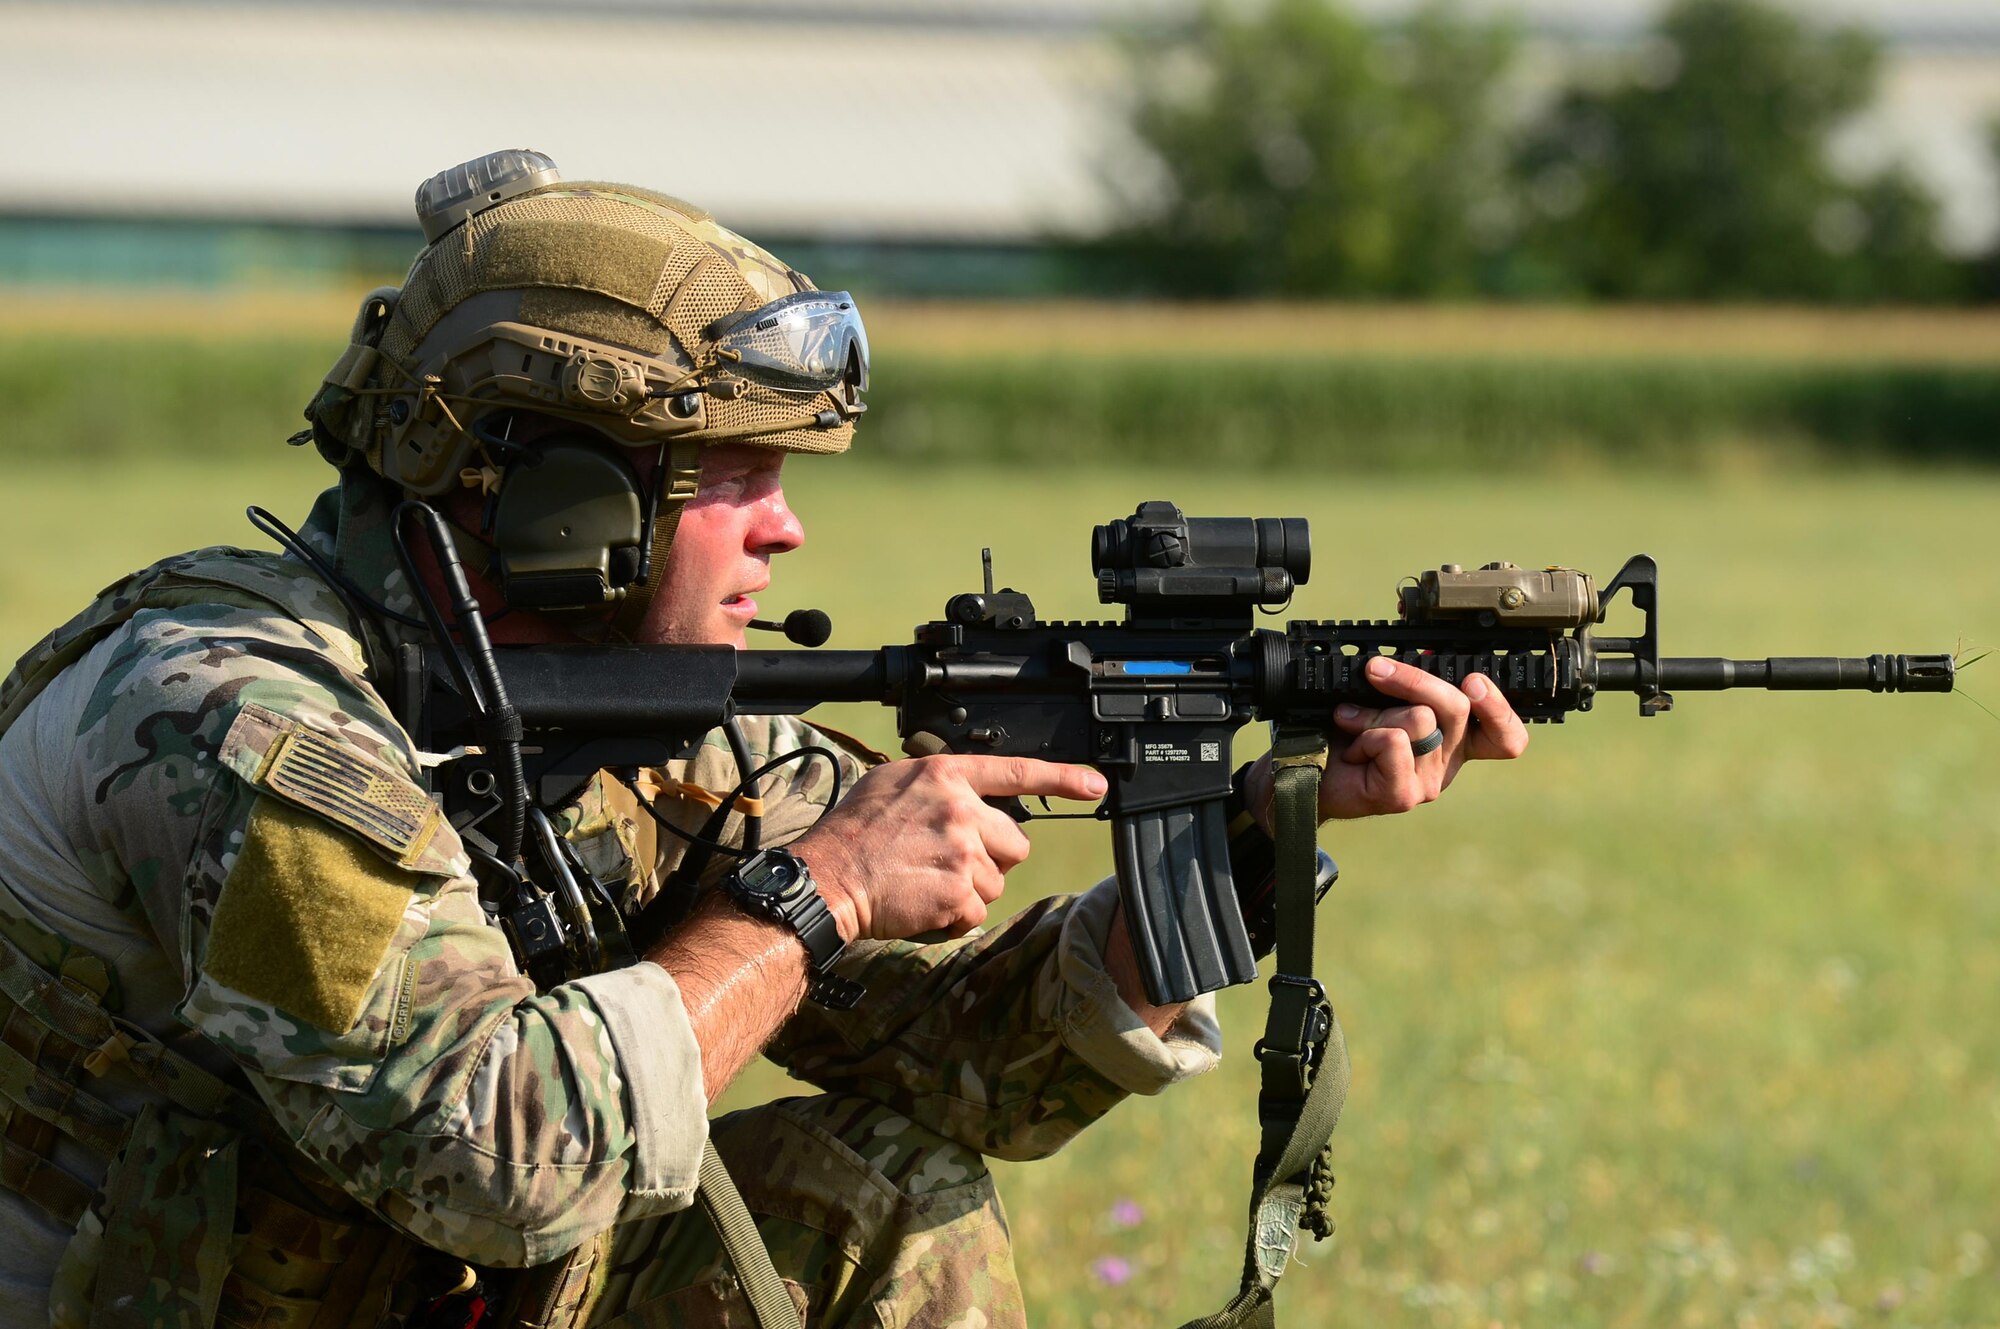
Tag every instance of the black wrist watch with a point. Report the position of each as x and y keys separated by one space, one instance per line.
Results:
x=775 y=884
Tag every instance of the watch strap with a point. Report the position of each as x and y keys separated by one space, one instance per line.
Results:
x=814 y=922
x=809 y=918
x=828 y=989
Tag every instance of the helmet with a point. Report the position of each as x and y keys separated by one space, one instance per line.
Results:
x=629 y=314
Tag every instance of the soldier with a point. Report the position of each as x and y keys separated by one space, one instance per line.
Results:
x=267 y=1059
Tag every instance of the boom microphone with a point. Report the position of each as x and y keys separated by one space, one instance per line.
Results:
x=803 y=627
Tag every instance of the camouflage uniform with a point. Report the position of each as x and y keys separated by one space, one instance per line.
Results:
x=213 y=802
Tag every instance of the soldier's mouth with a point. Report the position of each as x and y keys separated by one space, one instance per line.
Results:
x=743 y=596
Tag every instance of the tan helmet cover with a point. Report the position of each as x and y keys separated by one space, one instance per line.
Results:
x=587 y=302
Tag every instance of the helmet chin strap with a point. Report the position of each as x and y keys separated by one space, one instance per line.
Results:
x=679 y=479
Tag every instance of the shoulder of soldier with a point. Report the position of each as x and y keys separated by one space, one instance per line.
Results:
x=217 y=587
x=188 y=643
x=212 y=662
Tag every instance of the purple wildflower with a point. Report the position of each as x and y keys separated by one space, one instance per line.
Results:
x=1112 y=1271
x=1126 y=1213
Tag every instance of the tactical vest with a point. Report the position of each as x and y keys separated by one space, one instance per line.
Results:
x=206 y=1217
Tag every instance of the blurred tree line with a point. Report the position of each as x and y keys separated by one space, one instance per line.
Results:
x=1298 y=150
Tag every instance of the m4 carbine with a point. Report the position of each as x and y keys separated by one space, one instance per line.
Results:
x=1153 y=701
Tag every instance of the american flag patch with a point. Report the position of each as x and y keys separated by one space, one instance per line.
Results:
x=351 y=790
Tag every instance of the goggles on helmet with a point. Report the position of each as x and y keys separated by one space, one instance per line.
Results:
x=809 y=342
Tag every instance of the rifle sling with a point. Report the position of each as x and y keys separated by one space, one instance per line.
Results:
x=769 y=1302
x=1303 y=1054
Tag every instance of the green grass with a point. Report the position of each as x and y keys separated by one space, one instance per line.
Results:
x=74 y=396
x=1682 y=1021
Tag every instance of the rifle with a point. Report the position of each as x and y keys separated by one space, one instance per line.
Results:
x=1153 y=702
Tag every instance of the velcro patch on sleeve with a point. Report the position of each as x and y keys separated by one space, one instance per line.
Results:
x=306 y=917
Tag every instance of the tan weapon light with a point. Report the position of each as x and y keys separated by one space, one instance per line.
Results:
x=1502 y=593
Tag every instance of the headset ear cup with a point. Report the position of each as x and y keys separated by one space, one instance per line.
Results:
x=569 y=526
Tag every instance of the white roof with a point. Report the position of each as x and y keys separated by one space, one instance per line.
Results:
x=918 y=119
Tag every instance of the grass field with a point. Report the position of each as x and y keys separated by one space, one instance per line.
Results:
x=1684 y=1021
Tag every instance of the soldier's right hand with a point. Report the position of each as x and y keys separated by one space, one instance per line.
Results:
x=915 y=848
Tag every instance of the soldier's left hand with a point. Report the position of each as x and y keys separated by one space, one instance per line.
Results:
x=1372 y=768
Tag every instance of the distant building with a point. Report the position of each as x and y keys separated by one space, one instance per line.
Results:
x=976 y=127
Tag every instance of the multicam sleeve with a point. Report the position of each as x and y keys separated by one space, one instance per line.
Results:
x=254 y=790
x=1009 y=1042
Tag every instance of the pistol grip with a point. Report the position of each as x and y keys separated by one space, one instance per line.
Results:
x=1012 y=805
x=924 y=743
x=1180 y=900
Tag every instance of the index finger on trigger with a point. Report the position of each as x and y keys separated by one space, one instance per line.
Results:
x=999 y=776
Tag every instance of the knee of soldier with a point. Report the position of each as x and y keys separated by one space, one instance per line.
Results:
x=907 y=1156
x=808 y=1142
x=878 y=1212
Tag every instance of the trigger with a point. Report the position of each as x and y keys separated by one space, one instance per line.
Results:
x=1012 y=806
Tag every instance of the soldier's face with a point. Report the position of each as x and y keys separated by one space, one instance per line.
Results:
x=723 y=548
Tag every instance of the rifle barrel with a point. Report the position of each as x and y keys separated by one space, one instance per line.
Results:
x=1797 y=673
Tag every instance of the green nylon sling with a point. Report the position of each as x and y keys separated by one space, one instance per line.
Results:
x=737 y=1230
x=1303 y=1054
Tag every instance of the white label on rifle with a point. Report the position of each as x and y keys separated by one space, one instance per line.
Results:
x=1168 y=752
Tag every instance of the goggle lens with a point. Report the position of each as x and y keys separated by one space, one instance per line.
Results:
x=809 y=342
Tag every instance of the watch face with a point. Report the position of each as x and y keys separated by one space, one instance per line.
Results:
x=774 y=876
